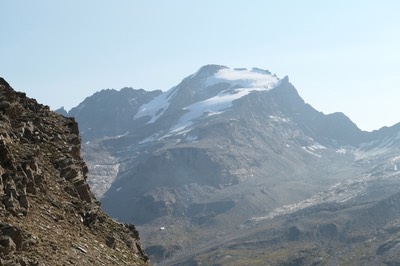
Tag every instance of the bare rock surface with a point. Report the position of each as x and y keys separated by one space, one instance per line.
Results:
x=48 y=215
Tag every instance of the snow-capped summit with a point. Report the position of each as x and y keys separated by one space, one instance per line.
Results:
x=231 y=150
x=207 y=71
x=211 y=90
x=236 y=77
x=255 y=78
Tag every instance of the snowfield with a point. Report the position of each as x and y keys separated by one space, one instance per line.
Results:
x=245 y=81
x=213 y=106
x=255 y=78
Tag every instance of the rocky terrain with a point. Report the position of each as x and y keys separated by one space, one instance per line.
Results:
x=355 y=222
x=48 y=215
x=232 y=167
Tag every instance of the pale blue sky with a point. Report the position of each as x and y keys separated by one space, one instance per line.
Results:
x=340 y=55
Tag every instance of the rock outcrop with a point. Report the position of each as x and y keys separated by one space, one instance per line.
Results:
x=48 y=215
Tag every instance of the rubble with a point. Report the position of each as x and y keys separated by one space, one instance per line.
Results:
x=46 y=206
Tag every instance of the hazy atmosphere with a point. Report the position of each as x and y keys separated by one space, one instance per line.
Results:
x=340 y=55
x=200 y=132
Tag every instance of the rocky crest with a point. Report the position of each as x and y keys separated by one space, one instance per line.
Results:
x=220 y=147
x=48 y=215
x=233 y=167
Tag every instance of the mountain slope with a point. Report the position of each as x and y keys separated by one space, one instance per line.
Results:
x=224 y=150
x=354 y=222
x=112 y=106
x=221 y=146
x=48 y=216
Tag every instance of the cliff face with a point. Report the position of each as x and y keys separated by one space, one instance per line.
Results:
x=48 y=216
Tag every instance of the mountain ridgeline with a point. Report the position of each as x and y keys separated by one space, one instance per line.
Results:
x=235 y=168
x=48 y=215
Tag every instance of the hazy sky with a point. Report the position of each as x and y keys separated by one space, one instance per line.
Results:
x=341 y=55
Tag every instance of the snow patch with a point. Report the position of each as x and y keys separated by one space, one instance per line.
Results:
x=156 y=107
x=191 y=137
x=338 y=193
x=279 y=119
x=248 y=80
x=148 y=139
x=313 y=149
x=311 y=152
x=213 y=106
x=341 y=151
x=394 y=159
x=255 y=78
x=316 y=146
x=122 y=135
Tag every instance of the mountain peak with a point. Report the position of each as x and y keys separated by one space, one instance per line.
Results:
x=211 y=90
x=207 y=71
x=244 y=78
x=3 y=82
x=237 y=77
x=260 y=70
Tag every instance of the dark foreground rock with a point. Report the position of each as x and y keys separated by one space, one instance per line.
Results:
x=48 y=215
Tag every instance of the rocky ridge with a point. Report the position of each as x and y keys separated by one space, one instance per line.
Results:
x=48 y=215
x=220 y=147
x=233 y=160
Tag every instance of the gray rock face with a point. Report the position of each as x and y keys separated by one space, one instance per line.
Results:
x=223 y=153
x=117 y=108
x=61 y=111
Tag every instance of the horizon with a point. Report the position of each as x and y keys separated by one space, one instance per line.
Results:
x=341 y=56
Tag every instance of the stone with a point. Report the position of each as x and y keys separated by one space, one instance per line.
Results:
x=111 y=241
x=44 y=194
x=4 y=105
x=7 y=245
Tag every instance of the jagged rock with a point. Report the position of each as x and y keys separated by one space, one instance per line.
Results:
x=7 y=245
x=5 y=155
x=111 y=241
x=387 y=246
x=4 y=105
x=13 y=236
x=46 y=206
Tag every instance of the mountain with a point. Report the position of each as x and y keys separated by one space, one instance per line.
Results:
x=48 y=215
x=115 y=107
x=232 y=160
